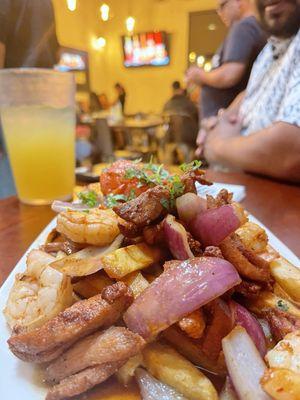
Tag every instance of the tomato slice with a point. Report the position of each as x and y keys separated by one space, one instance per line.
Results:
x=113 y=180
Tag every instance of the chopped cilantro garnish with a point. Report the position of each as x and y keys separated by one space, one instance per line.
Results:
x=192 y=166
x=113 y=200
x=176 y=188
x=90 y=198
x=153 y=175
x=165 y=203
x=132 y=195
x=132 y=173
x=282 y=305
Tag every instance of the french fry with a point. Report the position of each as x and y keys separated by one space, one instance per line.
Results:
x=136 y=282
x=278 y=290
x=253 y=237
x=270 y=254
x=288 y=277
x=129 y=259
x=281 y=384
x=126 y=373
x=267 y=300
x=168 y=366
x=91 y=285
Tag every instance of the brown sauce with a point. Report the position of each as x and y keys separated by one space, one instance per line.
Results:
x=113 y=390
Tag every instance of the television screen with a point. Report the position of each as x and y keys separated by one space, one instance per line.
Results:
x=149 y=48
x=72 y=60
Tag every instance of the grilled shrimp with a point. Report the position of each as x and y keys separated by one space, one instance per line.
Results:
x=97 y=227
x=38 y=294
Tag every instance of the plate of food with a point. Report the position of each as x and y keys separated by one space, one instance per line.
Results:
x=141 y=289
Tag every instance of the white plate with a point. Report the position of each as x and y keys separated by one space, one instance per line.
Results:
x=20 y=380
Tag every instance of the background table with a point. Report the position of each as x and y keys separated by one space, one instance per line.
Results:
x=276 y=205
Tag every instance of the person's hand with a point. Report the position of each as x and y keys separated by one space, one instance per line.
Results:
x=194 y=75
x=229 y=125
x=206 y=125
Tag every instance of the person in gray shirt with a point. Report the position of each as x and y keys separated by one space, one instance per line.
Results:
x=232 y=63
x=180 y=104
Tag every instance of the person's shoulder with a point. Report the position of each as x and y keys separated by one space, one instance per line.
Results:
x=248 y=23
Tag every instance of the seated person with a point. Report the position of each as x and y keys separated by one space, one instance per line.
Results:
x=260 y=132
x=180 y=104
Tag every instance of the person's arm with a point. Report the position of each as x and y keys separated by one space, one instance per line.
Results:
x=274 y=151
x=224 y=77
x=2 y=55
x=239 y=52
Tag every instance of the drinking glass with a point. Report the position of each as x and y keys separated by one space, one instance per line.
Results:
x=37 y=108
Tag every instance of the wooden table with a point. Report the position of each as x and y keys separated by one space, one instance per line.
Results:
x=276 y=205
x=134 y=123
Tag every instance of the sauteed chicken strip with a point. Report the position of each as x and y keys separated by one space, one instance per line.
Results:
x=67 y=247
x=190 y=178
x=112 y=345
x=218 y=326
x=84 y=317
x=193 y=324
x=151 y=205
x=222 y=198
x=248 y=264
x=83 y=381
x=281 y=323
x=249 y=289
x=146 y=208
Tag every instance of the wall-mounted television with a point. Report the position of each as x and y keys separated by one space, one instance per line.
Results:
x=77 y=62
x=72 y=60
x=146 y=49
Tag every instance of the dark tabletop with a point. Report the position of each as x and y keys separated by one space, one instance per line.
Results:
x=276 y=205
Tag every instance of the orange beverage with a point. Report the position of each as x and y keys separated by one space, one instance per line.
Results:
x=39 y=130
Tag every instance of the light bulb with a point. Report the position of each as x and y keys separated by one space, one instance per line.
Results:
x=207 y=66
x=192 y=57
x=130 y=22
x=200 y=61
x=212 y=27
x=104 y=10
x=98 y=43
x=72 y=4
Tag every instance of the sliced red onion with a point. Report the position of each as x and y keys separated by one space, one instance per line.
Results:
x=178 y=291
x=176 y=238
x=153 y=389
x=244 y=364
x=60 y=206
x=211 y=227
x=245 y=319
x=228 y=392
x=189 y=205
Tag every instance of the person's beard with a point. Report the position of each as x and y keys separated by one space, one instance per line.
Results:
x=286 y=27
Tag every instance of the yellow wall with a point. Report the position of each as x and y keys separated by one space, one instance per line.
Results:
x=147 y=88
